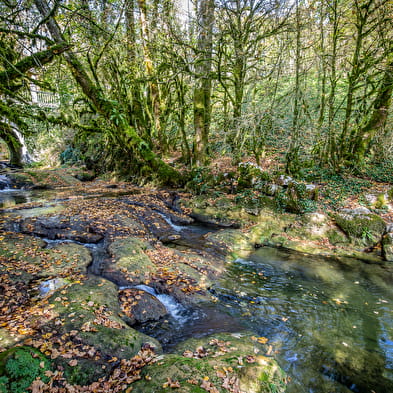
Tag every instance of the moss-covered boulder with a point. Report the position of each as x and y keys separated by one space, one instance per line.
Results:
x=129 y=257
x=387 y=247
x=20 y=366
x=29 y=258
x=91 y=307
x=216 y=364
x=360 y=225
x=250 y=175
x=86 y=330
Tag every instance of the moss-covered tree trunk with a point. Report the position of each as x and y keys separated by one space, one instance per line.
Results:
x=15 y=146
x=121 y=131
x=362 y=138
x=203 y=83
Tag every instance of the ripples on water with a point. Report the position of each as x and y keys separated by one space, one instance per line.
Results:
x=330 y=322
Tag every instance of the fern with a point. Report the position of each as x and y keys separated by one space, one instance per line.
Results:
x=21 y=369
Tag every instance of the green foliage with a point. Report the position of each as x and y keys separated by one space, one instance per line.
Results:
x=366 y=235
x=201 y=180
x=336 y=187
x=296 y=199
x=71 y=156
x=380 y=171
x=117 y=117
x=3 y=384
x=381 y=202
x=20 y=367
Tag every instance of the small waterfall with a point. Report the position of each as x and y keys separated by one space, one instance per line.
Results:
x=26 y=157
x=177 y=228
x=175 y=309
x=5 y=183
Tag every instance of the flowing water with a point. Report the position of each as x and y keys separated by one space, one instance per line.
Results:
x=329 y=323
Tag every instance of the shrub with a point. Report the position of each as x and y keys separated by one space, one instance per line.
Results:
x=296 y=199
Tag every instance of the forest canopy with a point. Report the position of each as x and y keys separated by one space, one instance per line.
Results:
x=132 y=82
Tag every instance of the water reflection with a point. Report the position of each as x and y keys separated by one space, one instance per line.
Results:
x=10 y=198
x=330 y=322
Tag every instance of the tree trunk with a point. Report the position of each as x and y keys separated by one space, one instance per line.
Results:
x=203 y=83
x=15 y=146
x=154 y=90
x=364 y=136
x=122 y=132
x=292 y=157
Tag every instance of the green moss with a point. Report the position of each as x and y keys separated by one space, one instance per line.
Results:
x=253 y=378
x=381 y=202
x=19 y=367
x=368 y=228
x=336 y=237
x=82 y=301
x=129 y=254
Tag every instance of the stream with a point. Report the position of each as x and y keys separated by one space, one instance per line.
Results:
x=328 y=323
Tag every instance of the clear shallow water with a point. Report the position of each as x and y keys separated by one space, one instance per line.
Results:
x=13 y=197
x=330 y=324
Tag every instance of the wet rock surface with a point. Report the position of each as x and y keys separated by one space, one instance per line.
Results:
x=140 y=307
x=54 y=301
x=143 y=238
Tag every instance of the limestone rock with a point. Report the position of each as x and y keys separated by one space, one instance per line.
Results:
x=140 y=306
x=387 y=247
x=216 y=363
x=361 y=225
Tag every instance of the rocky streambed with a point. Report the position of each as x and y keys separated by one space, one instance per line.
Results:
x=96 y=281
x=118 y=288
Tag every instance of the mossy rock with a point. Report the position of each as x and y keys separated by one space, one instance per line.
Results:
x=234 y=240
x=269 y=226
x=214 y=361
x=337 y=237
x=19 y=367
x=128 y=254
x=364 y=228
x=250 y=174
x=298 y=199
x=77 y=307
x=53 y=178
x=33 y=260
x=387 y=247
x=20 y=180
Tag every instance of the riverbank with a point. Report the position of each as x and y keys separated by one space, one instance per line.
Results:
x=72 y=258
x=93 y=243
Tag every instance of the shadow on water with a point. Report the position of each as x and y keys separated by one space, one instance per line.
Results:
x=330 y=322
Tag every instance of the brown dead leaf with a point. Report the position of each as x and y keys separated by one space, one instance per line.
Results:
x=37 y=386
x=209 y=387
x=73 y=362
